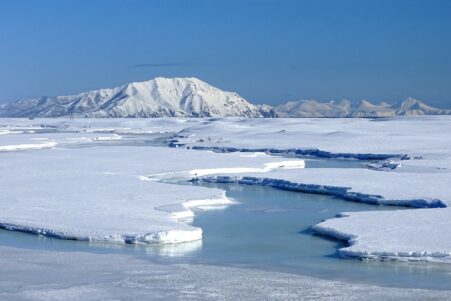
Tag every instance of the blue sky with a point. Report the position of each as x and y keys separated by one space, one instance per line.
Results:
x=268 y=51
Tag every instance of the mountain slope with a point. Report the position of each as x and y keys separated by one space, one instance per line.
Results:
x=158 y=97
x=412 y=106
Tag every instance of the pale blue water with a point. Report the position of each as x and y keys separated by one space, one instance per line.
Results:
x=268 y=229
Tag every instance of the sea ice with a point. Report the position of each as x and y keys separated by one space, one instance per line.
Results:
x=415 y=170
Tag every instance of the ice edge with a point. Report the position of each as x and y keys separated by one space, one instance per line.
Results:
x=344 y=193
x=179 y=211
x=160 y=237
x=295 y=151
x=351 y=240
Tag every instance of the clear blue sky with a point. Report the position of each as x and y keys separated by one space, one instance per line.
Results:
x=268 y=51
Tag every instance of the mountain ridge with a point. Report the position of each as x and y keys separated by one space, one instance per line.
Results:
x=192 y=97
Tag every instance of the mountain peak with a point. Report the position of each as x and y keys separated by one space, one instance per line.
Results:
x=189 y=97
x=365 y=102
x=409 y=102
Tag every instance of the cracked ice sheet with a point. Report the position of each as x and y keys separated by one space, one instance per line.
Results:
x=417 y=136
x=414 y=234
x=87 y=276
x=98 y=193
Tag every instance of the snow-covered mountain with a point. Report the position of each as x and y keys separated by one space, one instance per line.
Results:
x=313 y=108
x=158 y=97
x=344 y=108
x=191 y=97
x=412 y=106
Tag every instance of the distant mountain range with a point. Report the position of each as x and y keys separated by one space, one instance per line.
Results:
x=191 y=97
x=364 y=108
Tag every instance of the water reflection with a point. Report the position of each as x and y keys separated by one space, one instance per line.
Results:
x=175 y=250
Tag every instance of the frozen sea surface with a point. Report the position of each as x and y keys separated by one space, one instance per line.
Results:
x=98 y=180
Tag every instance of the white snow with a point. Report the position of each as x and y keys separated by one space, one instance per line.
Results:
x=293 y=164
x=425 y=136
